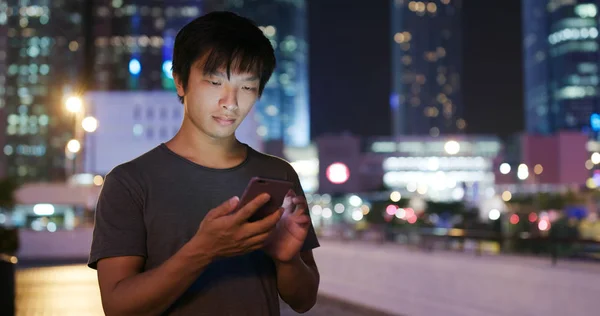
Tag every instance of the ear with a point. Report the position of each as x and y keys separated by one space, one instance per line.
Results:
x=179 y=85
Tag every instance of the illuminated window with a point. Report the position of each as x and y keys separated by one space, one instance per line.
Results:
x=431 y=7
x=586 y=10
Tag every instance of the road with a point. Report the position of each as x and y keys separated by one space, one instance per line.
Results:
x=67 y=290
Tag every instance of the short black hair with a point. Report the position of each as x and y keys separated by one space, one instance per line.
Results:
x=226 y=40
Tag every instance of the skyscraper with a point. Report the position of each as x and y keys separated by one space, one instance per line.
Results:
x=41 y=58
x=133 y=42
x=283 y=110
x=561 y=57
x=427 y=65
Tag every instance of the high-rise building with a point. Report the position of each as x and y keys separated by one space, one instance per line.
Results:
x=133 y=42
x=41 y=57
x=427 y=64
x=283 y=110
x=561 y=57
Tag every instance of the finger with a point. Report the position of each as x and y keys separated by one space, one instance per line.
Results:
x=302 y=220
x=256 y=241
x=224 y=209
x=299 y=200
x=262 y=226
x=289 y=199
x=249 y=209
x=300 y=209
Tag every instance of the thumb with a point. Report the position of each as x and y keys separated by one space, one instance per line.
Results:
x=225 y=208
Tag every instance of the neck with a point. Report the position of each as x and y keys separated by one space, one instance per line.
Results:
x=193 y=144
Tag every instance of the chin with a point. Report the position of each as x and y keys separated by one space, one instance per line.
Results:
x=221 y=134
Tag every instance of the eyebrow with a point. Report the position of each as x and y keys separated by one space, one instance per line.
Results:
x=224 y=76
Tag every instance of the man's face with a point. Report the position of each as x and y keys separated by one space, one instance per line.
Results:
x=215 y=104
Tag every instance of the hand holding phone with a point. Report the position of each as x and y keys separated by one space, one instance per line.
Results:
x=277 y=190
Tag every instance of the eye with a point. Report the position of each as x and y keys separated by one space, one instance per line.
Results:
x=249 y=88
x=215 y=83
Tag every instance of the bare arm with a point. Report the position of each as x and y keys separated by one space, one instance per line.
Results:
x=298 y=281
x=125 y=290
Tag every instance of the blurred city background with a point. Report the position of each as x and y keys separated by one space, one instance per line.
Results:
x=449 y=149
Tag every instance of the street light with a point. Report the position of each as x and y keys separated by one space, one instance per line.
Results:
x=74 y=104
x=89 y=124
x=73 y=146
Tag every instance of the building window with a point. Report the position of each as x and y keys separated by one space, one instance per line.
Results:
x=137 y=112
x=149 y=133
x=163 y=133
x=150 y=113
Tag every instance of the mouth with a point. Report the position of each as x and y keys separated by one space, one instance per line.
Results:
x=223 y=120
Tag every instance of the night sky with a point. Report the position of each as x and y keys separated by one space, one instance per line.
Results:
x=350 y=67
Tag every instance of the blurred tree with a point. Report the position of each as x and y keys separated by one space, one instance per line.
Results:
x=9 y=237
x=8 y=187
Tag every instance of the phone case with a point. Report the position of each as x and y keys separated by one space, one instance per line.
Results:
x=276 y=188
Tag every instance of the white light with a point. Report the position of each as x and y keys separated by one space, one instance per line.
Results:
x=395 y=196
x=522 y=172
x=337 y=173
x=458 y=193
x=339 y=208
x=400 y=213
x=452 y=147
x=261 y=131
x=325 y=198
x=422 y=188
x=43 y=209
x=355 y=201
x=494 y=214
x=543 y=224
x=316 y=209
x=357 y=215
x=326 y=212
x=595 y=158
x=89 y=124
x=433 y=164
x=73 y=146
x=272 y=110
x=51 y=227
x=74 y=104
x=138 y=130
x=504 y=168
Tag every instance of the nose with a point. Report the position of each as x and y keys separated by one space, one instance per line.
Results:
x=229 y=99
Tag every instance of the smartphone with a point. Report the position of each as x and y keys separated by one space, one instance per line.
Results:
x=276 y=188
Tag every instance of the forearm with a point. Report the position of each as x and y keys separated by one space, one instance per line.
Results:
x=153 y=291
x=298 y=284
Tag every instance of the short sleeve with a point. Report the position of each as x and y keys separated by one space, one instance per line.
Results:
x=119 y=228
x=311 y=241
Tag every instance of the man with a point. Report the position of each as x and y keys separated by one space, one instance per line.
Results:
x=166 y=240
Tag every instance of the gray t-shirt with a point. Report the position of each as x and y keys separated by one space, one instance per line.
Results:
x=152 y=205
